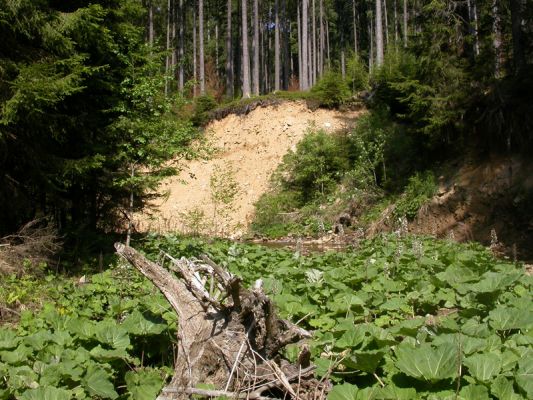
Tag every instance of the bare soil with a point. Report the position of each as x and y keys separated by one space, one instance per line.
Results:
x=487 y=200
x=252 y=146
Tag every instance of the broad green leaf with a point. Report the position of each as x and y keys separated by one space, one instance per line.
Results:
x=100 y=354
x=139 y=324
x=17 y=356
x=343 y=392
x=108 y=332
x=428 y=362
x=143 y=384
x=474 y=392
x=495 y=281
x=351 y=338
x=483 y=367
x=505 y=318
x=390 y=392
x=38 y=340
x=502 y=389
x=524 y=376
x=98 y=383
x=46 y=393
x=366 y=361
x=8 y=339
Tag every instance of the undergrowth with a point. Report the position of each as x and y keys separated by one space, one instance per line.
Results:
x=397 y=318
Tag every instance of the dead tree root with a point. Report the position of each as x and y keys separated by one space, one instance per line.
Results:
x=228 y=336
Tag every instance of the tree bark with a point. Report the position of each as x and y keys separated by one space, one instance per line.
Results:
x=305 y=46
x=519 y=60
x=229 y=53
x=322 y=38
x=314 y=68
x=201 y=42
x=497 y=38
x=379 y=34
x=246 y=91
x=277 y=57
x=181 y=51
x=256 y=49
x=168 y=57
x=405 y=22
x=194 y=54
x=354 y=29
x=150 y=24
x=230 y=340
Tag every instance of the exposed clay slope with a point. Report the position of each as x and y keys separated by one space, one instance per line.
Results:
x=486 y=201
x=253 y=146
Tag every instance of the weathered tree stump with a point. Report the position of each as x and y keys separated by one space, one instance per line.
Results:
x=228 y=336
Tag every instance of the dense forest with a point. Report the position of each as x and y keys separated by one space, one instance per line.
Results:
x=91 y=91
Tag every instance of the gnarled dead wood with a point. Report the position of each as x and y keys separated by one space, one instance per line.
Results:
x=228 y=336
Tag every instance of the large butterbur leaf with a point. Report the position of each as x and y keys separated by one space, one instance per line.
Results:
x=143 y=384
x=46 y=393
x=108 y=332
x=505 y=318
x=483 y=367
x=495 y=281
x=139 y=324
x=98 y=383
x=343 y=392
x=426 y=362
x=524 y=376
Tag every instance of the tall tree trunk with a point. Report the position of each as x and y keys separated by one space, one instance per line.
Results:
x=276 y=47
x=151 y=33
x=322 y=38
x=379 y=34
x=328 y=45
x=201 y=42
x=473 y=26
x=497 y=38
x=343 y=64
x=168 y=58
x=395 y=23
x=405 y=22
x=173 y=36
x=386 y=17
x=300 y=47
x=181 y=51
x=194 y=53
x=372 y=39
x=256 y=49
x=246 y=91
x=305 y=41
x=314 y=43
x=519 y=60
x=229 y=54
x=354 y=29
x=286 y=41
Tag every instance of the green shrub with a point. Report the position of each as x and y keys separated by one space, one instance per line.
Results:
x=331 y=90
x=273 y=207
x=421 y=187
x=202 y=106
x=356 y=73
x=317 y=165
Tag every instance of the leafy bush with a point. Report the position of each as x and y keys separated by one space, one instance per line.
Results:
x=202 y=106
x=331 y=90
x=356 y=73
x=420 y=189
x=316 y=165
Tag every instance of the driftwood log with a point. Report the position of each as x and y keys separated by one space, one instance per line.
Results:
x=228 y=336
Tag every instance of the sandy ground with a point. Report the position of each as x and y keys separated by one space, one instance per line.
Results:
x=251 y=146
